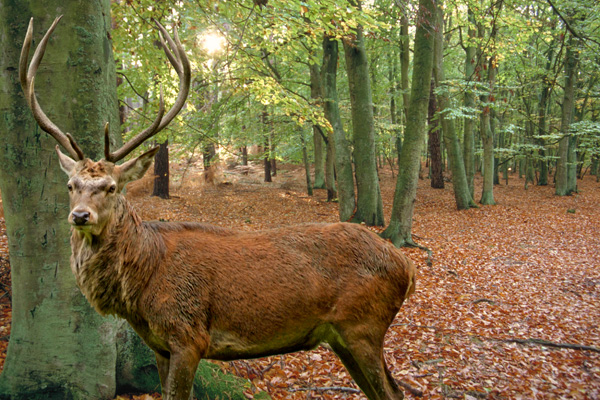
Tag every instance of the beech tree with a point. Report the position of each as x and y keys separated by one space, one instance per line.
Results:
x=369 y=205
x=460 y=185
x=59 y=346
x=343 y=158
x=399 y=231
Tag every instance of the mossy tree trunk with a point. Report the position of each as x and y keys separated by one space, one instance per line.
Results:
x=435 y=149
x=343 y=158
x=462 y=194
x=369 y=205
x=487 y=131
x=59 y=346
x=469 y=123
x=544 y=99
x=399 y=230
x=319 y=146
x=566 y=182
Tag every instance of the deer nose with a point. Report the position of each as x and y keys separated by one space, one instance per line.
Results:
x=80 y=218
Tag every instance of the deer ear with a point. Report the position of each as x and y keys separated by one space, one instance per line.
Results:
x=67 y=164
x=136 y=168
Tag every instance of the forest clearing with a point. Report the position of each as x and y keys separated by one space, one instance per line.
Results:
x=503 y=281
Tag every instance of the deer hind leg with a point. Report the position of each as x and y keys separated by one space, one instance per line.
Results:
x=362 y=355
x=180 y=379
x=163 y=369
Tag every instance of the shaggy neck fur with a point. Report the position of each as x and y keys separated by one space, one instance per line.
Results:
x=113 y=268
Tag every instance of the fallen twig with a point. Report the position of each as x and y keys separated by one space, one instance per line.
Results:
x=325 y=389
x=482 y=300
x=543 y=342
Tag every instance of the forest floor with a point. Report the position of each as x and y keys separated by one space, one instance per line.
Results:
x=508 y=308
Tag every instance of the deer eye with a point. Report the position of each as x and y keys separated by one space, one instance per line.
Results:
x=112 y=188
x=70 y=187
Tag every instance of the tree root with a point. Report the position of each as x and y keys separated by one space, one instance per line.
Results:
x=413 y=390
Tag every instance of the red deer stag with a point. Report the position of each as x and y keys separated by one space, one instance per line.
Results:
x=194 y=291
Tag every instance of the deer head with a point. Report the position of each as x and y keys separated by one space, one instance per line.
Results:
x=94 y=186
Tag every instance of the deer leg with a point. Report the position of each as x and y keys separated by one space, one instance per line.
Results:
x=353 y=368
x=162 y=364
x=182 y=368
x=362 y=355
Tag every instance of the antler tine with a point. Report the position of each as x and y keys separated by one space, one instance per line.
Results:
x=137 y=139
x=27 y=78
x=161 y=35
x=106 y=143
x=181 y=64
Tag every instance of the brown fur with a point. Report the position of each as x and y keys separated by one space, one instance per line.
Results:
x=195 y=291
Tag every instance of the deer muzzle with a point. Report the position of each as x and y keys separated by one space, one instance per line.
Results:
x=80 y=217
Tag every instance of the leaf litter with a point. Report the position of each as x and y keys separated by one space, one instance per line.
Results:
x=507 y=285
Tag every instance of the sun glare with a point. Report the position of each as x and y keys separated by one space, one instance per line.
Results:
x=213 y=42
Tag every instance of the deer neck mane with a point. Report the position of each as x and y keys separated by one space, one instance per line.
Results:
x=113 y=268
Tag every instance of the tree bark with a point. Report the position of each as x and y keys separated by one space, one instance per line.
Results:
x=462 y=195
x=469 y=123
x=59 y=346
x=565 y=180
x=343 y=158
x=161 y=171
x=369 y=206
x=542 y=107
x=435 y=150
x=487 y=133
x=400 y=227
x=309 y=188
x=318 y=142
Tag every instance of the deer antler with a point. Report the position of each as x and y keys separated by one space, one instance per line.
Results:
x=27 y=78
x=178 y=58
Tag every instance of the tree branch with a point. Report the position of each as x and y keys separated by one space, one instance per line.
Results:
x=568 y=25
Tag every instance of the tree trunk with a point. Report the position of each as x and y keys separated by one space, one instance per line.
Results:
x=330 y=168
x=161 y=171
x=59 y=346
x=208 y=158
x=487 y=137
x=404 y=63
x=309 y=188
x=460 y=185
x=565 y=182
x=400 y=227
x=369 y=207
x=272 y=158
x=318 y=142
x=267 y=163
x=542 y=106
x=245 y=155
x=469 y=123
x=343 y=158
x=487 y=133
x=435 y=153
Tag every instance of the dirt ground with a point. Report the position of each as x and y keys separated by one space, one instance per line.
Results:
x=509 y=307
